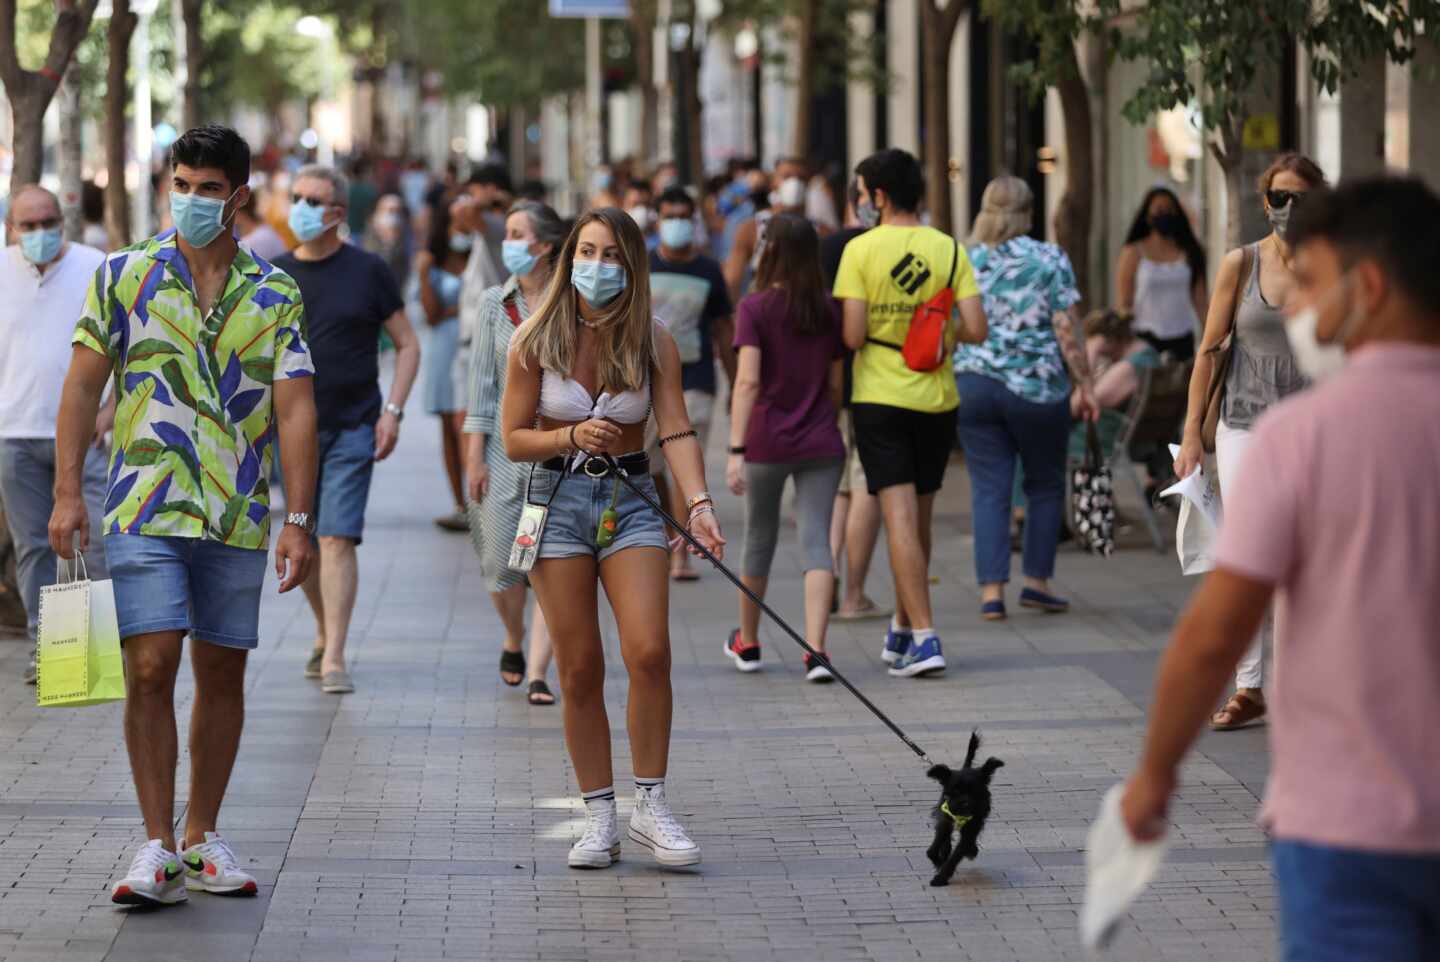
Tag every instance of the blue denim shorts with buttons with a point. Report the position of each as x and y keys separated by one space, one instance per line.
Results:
x=574 y=517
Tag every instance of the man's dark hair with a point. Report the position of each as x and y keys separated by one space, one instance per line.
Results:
x=1395 y=220
x=491 y=175
x=535 y=190
x=213 y=145
x=676 y=195
x=643 y=186
x=898 y=174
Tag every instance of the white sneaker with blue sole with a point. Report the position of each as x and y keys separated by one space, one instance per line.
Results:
x=896 y=644
x=922 y=658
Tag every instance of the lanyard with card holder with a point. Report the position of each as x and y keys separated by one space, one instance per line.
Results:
x=526 y=548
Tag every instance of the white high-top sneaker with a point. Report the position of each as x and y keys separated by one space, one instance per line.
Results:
x=653 y=825
x=599 y=846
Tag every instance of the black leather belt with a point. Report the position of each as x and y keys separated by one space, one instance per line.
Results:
x=633 y=465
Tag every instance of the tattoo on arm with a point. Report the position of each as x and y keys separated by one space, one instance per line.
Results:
x=1071 y=339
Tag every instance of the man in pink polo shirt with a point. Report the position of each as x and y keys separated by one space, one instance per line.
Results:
x=1338 y=518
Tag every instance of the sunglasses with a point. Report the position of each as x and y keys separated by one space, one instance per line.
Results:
x=1280 y=198
x=312 y=201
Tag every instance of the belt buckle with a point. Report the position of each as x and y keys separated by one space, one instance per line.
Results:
x=595 y=468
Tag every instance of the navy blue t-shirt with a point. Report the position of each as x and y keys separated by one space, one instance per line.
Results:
x=348 y=298
x=689 y=298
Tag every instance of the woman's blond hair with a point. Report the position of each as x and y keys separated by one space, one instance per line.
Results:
x=625 y=325
x=1006 y=211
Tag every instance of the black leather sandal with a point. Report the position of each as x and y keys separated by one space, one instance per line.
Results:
x=540 y=693
x=512 y=663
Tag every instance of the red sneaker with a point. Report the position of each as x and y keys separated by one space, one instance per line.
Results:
x=746 y=657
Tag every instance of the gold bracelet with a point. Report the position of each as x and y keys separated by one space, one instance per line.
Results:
x=699 y=499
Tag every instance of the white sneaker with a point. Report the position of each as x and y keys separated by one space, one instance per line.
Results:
x=653 y=825
x=211 y=867
x=599 y=846
x=155 y=878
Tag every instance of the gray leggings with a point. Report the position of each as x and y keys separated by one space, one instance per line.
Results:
x=815 y=485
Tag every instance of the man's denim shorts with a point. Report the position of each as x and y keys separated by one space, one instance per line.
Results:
x=204 y=587
x=574 y=517
x=347 y=461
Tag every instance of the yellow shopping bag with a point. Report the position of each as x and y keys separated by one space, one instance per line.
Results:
x=79 y=660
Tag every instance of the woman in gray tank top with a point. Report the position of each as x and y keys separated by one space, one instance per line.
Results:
x=1250 y=291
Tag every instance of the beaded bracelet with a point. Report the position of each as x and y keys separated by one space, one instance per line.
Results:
x=699 y=499
x=676 y=437
x=702 y=509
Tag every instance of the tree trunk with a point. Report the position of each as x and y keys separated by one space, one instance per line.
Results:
x=1228 y=149
x=29 y=91
x=117 y=95
x=809 y=12
x=1076 y=209
x=938 y=28
x=190 y=10
x=71 y=153
x=690 y=63
x=642 y=27
x=27 y=109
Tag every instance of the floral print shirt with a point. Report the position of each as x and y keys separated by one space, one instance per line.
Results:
x=1023 y=283
x=194 y=426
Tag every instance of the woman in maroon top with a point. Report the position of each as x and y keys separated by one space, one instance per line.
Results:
x=784 y=424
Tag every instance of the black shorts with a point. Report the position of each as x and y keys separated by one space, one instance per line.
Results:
x=900 y=446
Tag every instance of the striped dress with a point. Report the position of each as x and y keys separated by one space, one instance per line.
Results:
x=500 y=513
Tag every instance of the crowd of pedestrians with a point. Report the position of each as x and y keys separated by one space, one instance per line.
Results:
x=578 y=370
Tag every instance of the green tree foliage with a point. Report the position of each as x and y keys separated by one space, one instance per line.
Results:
x=507 y=51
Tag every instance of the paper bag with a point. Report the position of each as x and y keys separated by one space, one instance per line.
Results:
x=1117 y=869
x=78 y=661
x=1201 y=511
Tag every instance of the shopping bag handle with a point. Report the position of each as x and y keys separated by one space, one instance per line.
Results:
x=71 y=572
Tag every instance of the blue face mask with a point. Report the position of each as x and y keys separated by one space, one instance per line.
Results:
x=41 y=246
x=199 y=220
x=516 y=256
x=677 y=233
x=307 y=221
x=598 y=282
x=460 y=243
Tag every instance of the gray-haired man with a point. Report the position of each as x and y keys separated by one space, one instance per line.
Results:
x=45 y=279
x=350 y=295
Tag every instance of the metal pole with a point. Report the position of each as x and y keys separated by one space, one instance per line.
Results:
x=593 y=134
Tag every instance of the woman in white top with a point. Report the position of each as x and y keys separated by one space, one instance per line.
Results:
x=581 y=379
x=1160 y=277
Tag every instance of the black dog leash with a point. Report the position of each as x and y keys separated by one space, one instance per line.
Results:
x=760 y=603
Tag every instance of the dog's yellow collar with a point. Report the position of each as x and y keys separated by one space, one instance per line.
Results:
x=960 y=820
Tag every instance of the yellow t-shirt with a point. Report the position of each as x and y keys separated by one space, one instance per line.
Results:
x=894 y=270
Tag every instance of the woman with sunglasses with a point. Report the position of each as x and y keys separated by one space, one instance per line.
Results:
x=583 y=376
x=1250 y=291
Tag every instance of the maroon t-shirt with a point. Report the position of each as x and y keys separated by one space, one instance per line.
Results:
x=794 y=418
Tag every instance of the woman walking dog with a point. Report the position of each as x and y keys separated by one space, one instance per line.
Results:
x=582 y=376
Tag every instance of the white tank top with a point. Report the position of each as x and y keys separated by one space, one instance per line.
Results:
x=1164 y=306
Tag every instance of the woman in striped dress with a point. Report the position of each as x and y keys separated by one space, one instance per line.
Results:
x=533 y=236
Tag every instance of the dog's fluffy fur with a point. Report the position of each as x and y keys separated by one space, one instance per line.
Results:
x=968 y=793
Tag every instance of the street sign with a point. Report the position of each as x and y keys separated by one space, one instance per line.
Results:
x=613 y=9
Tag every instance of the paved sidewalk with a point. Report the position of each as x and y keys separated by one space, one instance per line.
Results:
x=428 y=815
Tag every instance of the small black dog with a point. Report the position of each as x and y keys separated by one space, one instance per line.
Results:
x=964 y=807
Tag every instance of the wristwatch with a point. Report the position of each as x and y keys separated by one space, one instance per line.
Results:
x=302 y=520
x=392 y=408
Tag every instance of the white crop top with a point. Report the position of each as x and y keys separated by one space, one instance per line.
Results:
x=563 y=399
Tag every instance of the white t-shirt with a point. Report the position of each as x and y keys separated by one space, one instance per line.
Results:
x=37 y=319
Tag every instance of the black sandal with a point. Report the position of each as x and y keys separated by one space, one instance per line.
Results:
x=512 y=663
x=539 y=691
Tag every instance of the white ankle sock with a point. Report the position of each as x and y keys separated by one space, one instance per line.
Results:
x=600 y=798
x=646 y=784
x=923 y=635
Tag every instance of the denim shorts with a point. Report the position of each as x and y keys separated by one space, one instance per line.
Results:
x=347 y=461
x=209 y=589
x=574 y=517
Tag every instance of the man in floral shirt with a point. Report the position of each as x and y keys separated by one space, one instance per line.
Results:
x=206 y=345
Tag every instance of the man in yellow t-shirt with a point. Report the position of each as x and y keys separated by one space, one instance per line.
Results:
x=904 y=420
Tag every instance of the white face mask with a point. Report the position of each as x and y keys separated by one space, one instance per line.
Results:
x=1320 y=362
